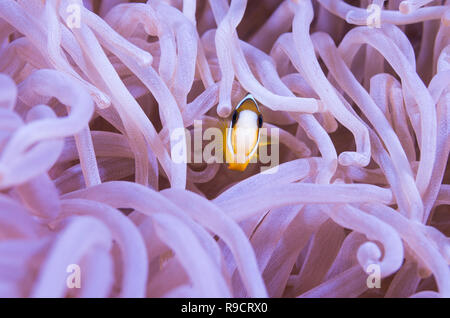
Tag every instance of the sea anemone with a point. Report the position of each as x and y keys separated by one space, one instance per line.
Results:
x=107 y=115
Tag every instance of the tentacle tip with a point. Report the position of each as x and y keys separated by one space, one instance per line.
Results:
x=368 y=254
x=102 y=101
x=348 y=158
x=146 y=60
x=223 y=110
x=405 y=7
x=424 y=272
x=446 y=18
x=321 y=106
x=350 y=17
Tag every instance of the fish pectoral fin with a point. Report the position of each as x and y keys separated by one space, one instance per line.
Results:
x=237 y=166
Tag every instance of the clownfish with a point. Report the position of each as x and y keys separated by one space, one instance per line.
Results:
x=243 y=134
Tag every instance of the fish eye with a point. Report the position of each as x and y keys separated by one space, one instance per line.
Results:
x=234 y=118
x=260 y=121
